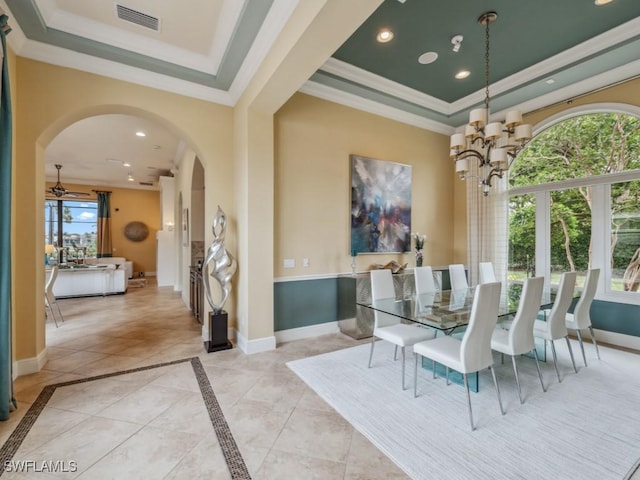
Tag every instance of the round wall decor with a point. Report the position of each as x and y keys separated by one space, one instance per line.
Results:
x=136 y=231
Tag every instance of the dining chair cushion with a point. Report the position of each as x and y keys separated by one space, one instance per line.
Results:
x=403 y=335
x=444 y=350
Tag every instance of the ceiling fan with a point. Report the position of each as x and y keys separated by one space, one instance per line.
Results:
x=59 y=191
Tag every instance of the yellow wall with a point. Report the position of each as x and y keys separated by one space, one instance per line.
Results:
x=49 y=99
x=314 y=139
x=130 y=205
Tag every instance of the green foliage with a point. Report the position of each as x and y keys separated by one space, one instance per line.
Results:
x=595 y=144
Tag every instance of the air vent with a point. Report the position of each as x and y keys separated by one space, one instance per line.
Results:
x=148 y=184
x=139 y=18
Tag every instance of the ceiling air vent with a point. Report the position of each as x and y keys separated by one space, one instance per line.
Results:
x=139 y=18
x=147 y=184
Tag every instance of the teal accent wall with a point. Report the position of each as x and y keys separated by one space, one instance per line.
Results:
x=302 y=303
x=616 y=317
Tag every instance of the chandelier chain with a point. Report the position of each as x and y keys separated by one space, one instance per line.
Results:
x=486 y=67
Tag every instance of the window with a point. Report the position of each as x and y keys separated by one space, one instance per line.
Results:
x=72 y=224
x=575 y=203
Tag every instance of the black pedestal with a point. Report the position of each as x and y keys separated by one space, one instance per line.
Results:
x=218 y=332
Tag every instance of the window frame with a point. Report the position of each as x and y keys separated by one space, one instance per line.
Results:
x=600 y=213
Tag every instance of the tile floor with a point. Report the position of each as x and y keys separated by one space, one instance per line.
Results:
x=153 y=424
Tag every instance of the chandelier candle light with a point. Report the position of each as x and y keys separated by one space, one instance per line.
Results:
x=494 y=144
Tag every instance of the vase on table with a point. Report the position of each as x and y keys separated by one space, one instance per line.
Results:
x=418 y=258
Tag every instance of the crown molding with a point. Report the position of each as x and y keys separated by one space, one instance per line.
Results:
x=359 y=103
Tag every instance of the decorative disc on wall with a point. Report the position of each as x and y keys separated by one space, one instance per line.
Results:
x=136 y=231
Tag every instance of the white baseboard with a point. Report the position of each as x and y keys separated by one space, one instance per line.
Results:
x=613 y=338
x=255 y=346
x=307 y=332
x=31 y=365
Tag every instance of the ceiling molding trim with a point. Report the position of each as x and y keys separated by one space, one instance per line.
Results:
x=230 y=15
x=98 y=32
x=596 y=82
x=359 y=103
x=596 y=45
x=79 y=61
x=276 y=19
x=376 y=82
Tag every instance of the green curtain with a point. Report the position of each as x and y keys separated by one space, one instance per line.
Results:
x=7 y=402
x=104 y=246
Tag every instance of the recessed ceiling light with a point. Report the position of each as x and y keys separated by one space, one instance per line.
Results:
x=141 y=134
x=130 y=177
x=427 y=58
x=462 y=74
x=126 y=164
x=602 y=2
x=550 y=81
x=385 y=35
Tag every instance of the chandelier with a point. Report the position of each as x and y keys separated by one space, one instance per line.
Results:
x=494 y=144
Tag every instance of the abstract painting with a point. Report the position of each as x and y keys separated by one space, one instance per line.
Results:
x=380 y=206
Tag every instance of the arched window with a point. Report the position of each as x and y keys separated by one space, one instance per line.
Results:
x=574 y=202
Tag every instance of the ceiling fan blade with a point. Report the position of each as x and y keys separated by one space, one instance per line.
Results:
x=77 y=194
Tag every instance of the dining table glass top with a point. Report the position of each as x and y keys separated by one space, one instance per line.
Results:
x=449 y=309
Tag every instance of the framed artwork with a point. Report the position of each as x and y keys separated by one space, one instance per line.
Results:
x=380 y=206
x=185 y=227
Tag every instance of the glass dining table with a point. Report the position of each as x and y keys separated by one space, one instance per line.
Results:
x=448 y=312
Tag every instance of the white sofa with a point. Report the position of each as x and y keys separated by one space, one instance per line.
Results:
x=123 y=262
x=87 y=280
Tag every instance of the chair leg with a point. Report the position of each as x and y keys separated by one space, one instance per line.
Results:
x=403 y=361
x=535 y=354
x=395 y=353
x=515 y=371
x=415 y=376
x=433 y=369
x=593 y=339
x=373 y=342
x=466 y=384
x=584 y=357
x=59 y=311
x=555 y=359
x=447 y=374
x=53 y=315
x=571 y=353
x=495 y=382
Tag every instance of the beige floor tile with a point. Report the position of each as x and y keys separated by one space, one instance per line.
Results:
x=51 y=423
x=279 y=465
x=366 y=462
x=145 y=404
x=180 y=376
x=149 y=454
x=85 y=443
x=7 y=427
x=91 y=397
x=189 y=415
x=204 y=462
x=257 y=424
x=318 y=434
x=69 y=363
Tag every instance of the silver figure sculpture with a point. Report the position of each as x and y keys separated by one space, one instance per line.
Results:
x=219 y=263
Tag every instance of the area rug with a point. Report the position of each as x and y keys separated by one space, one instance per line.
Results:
x=586 y=427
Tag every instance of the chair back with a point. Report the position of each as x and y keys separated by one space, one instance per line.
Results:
x=581 y=311
x=556 y=319
x=486 y=272
x=382 y=288
x=521 y=332
x=48 y=290
x=458 y=277
x=424 y=280
x=476 y=343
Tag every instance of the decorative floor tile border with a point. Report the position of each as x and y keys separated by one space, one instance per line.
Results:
x=233 y=457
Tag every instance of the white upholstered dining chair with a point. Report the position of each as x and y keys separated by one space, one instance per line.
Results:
x=486 y=272
x=519 y=338
x=472 y=353
x=554 y=327
x=424 y=280
x=389 y=327
x=580 y=319
x=49 y=297
x=458 y=277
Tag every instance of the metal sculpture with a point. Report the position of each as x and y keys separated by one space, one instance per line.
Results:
x=218 y=263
